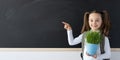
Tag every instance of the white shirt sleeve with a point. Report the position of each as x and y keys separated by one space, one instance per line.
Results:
x=107 y=49
x=72 y=40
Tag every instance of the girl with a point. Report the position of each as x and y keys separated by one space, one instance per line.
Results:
x=93 y=21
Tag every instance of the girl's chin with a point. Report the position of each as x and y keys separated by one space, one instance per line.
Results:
x=94 y=29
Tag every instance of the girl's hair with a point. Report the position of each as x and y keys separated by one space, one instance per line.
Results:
x=105 y=26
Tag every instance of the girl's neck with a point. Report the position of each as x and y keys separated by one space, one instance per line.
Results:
x=95 y=30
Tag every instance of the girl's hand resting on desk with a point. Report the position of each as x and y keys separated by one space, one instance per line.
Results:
x=67 y=26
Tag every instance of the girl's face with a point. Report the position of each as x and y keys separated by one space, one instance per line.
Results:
x=95 y=21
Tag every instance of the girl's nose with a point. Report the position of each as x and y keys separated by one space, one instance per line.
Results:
x=94 y=23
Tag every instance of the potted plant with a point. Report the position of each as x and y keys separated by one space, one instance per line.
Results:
x=92 y=39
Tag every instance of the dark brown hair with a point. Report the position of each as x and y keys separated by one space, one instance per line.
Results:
x=105 y=26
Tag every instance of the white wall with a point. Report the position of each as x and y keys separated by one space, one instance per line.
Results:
x=45 y=54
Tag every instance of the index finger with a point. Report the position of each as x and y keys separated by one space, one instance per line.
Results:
x=64 y=23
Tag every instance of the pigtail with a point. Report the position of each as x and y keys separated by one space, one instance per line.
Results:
x=106 y=23
x=85 y=26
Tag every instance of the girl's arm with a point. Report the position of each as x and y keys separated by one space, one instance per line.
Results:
x=107 y=49
x=72 y=40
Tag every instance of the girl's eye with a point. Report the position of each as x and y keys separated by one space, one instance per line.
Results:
x=91 y=20
x=97 y=20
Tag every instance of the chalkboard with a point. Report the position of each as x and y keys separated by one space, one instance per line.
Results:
x=37 y=23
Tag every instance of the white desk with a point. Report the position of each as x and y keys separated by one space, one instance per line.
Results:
x=46 y=54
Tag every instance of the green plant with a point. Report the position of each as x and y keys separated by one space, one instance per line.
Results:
x=93 y=37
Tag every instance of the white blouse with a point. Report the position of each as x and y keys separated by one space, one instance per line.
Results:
x=77 y=40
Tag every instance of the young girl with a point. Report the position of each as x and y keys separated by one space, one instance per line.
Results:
x=96 y=21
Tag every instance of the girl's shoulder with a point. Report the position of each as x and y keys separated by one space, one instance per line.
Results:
x=106 y=38
x=83 y=34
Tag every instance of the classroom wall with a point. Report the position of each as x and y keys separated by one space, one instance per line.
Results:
x=46 y=54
